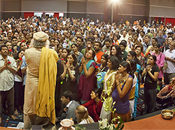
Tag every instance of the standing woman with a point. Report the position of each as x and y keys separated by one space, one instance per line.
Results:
x=60 y=70
x=109 y=79
x=160 y=62
x=87 y=81
x=68 y=77
x=135 y=70
x=116 y=51
x=151 y=73
x=18 y=84
x=102 y=70
x=122 y=87
x=78 y=54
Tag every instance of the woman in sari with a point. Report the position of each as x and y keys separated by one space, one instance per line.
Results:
x=113 y=64
x=87 y=81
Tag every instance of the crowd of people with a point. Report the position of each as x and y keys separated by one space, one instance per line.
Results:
x=93 y=70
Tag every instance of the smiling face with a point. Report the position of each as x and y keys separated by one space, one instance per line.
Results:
x=113 y=51
x=74 y=48
x=138 y=50
x=103 y=60
x=9 y=45
x=109 y=64
x=89 y=54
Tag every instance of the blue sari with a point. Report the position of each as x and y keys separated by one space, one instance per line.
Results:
x=136 y=91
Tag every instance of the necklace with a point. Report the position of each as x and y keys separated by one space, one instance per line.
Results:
x=123 y=79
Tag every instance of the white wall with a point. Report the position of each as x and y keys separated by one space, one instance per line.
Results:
x=44 y=5
x=95 y=7
x=162 y=8
x=11 y=5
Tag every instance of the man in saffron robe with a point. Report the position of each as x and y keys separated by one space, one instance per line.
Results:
x=39 y=102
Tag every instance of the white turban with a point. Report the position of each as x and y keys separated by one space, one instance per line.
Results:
x=40 y=36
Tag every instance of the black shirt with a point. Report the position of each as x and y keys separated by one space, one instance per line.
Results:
x=149 y=82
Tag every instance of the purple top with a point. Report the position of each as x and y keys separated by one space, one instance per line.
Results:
x=122 y=104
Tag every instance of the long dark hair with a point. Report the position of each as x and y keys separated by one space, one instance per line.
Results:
x=118 y=50
x=134 y=55
x=74 y=57
x=126 y=65
x=115 y=62
x=68 y=51
x=154 y=58
x=106 y=56
x=93 y=53
x=98 y=91
x=128 y=68
x=133 y=67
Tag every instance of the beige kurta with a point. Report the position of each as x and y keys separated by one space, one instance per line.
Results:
x=32 y=57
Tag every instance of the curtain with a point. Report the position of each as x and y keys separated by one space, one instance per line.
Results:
x=28 y=14
x=56 y=15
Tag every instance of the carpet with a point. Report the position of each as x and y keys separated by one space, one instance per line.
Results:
x=9 y=122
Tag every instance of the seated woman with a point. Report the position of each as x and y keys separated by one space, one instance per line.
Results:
x=82 y=115
x=94 y=105
x=167 y=93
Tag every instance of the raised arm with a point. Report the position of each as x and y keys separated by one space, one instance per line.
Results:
x=126 y=88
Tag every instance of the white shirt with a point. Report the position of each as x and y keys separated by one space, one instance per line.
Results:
x=123 y=38
x=171 y=65
x=84 y=121
x=68 y=104
x=18 y=78
x=6 y=77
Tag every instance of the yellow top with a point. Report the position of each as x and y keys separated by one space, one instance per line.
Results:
x=45 y=99
x=108 y=84
x=132 y=93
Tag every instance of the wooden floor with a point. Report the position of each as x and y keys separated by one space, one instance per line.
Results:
x=151 y=123
x=3 y=128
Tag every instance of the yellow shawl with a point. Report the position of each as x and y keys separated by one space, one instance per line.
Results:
x=45 y=100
